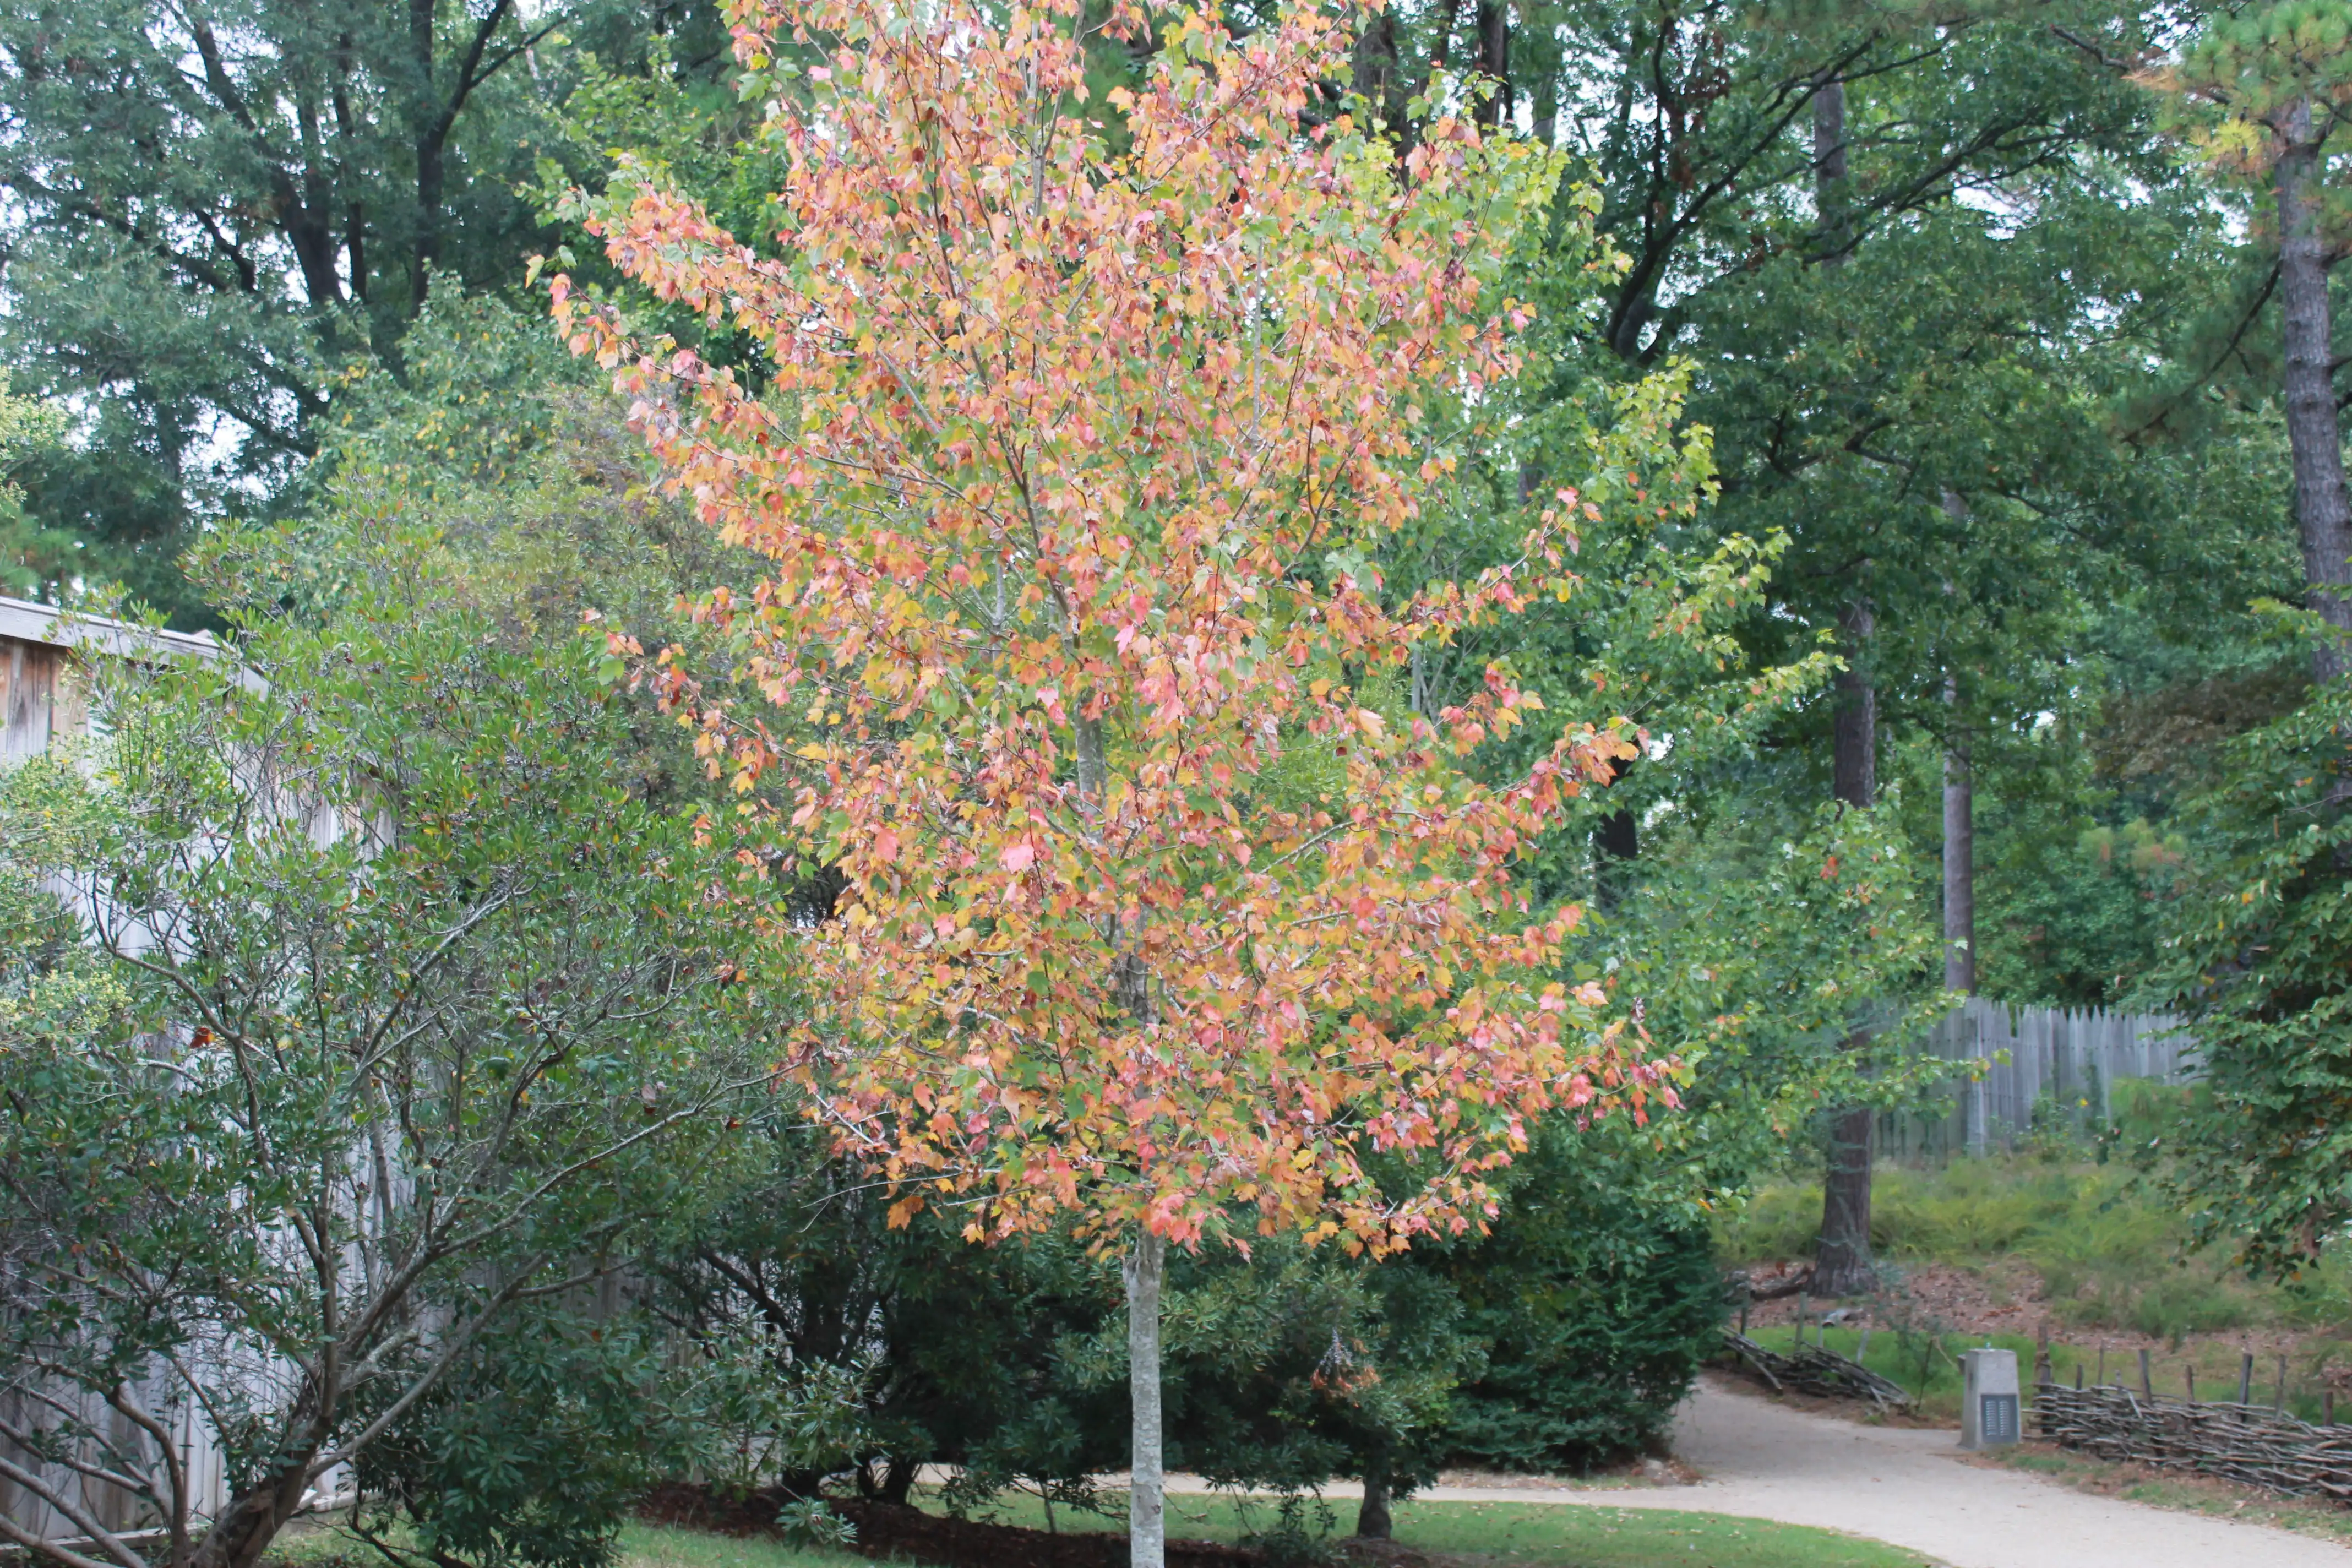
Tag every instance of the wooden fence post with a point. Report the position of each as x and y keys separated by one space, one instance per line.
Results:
x=2192 y=1383
x=2147 y=1384
x=2278 y=1393
x=2246 y=1379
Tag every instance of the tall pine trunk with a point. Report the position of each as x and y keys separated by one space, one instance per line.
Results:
x=1959 y=861
x=2322 y=514
x=1146 y=1522
x=1841 y=1258
x=1959 y=818
x=1841 y=1264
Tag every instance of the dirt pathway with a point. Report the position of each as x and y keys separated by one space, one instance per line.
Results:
x=1910 y=1489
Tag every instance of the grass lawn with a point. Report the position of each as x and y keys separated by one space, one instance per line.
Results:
x=1595 y=1535
x=666 y=1546
x=2106 y=1249
x=1485 y=1535
x=1592 y=1535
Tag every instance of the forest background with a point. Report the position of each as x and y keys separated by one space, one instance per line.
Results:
x=1938 y=388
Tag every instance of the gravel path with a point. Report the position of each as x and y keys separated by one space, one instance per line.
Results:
x=1764 y=1460
x=1909 y=1488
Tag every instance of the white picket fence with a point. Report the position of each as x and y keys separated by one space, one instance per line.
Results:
x=2064 y=1061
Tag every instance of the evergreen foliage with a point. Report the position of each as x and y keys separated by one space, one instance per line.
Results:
x=2256 y=958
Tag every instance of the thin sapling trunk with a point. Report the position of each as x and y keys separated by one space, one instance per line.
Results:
x=1147 y=1524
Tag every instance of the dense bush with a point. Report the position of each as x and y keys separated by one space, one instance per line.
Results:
x=965 y=1355
x=1592 y=1311
x=533 y=1450
x=379 y=1010
x=1562 y=1340
x=2259 y=960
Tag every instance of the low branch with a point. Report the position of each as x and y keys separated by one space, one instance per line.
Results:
x=53 y=1551
x=80 y=1518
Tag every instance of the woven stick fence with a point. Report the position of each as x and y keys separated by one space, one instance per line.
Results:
x=2239 y=1442
x=1815 y=1371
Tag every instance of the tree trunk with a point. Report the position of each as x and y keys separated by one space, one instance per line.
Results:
x=346 y=136
x=1495 y=62
x=1372 y=1523
x=1842 y=1258
x=431 y=173
x=1378 y=75
x=1441 y=45
x=1842 y=1264
x=1959 y=866
x=1854 y=760
x=2323 y=512
x=1616 y=844
x=1147 y=1525
x=1828 y=166
x=432 y=134
x=251 y=1521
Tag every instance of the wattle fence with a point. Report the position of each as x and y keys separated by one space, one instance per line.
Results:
x=2237 y=1440
x=2045 y=1066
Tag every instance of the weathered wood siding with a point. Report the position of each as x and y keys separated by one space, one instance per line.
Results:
x=28 y=687
x=44 y=699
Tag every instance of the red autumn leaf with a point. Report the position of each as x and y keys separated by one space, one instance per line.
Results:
x=1049 y=430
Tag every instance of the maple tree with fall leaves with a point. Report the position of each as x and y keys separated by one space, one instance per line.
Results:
x=1068 y=464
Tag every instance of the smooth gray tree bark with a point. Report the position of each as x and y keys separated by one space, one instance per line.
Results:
x=1146 y=1522
x=1959 y=865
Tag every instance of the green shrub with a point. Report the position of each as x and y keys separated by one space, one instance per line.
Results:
x=2258 y=960
x=1595 y=1311
x=532 y=1450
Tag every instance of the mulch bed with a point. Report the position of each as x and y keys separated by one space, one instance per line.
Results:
x=889 y=1531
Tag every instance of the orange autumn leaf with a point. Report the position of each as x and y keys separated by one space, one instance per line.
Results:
x=1067 y=461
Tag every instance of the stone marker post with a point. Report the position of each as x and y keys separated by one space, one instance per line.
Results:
x=1989 y=1408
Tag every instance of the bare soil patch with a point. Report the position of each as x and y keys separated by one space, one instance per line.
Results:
x=2009 y=1298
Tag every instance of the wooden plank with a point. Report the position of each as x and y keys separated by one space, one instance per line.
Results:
x=28 y=675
